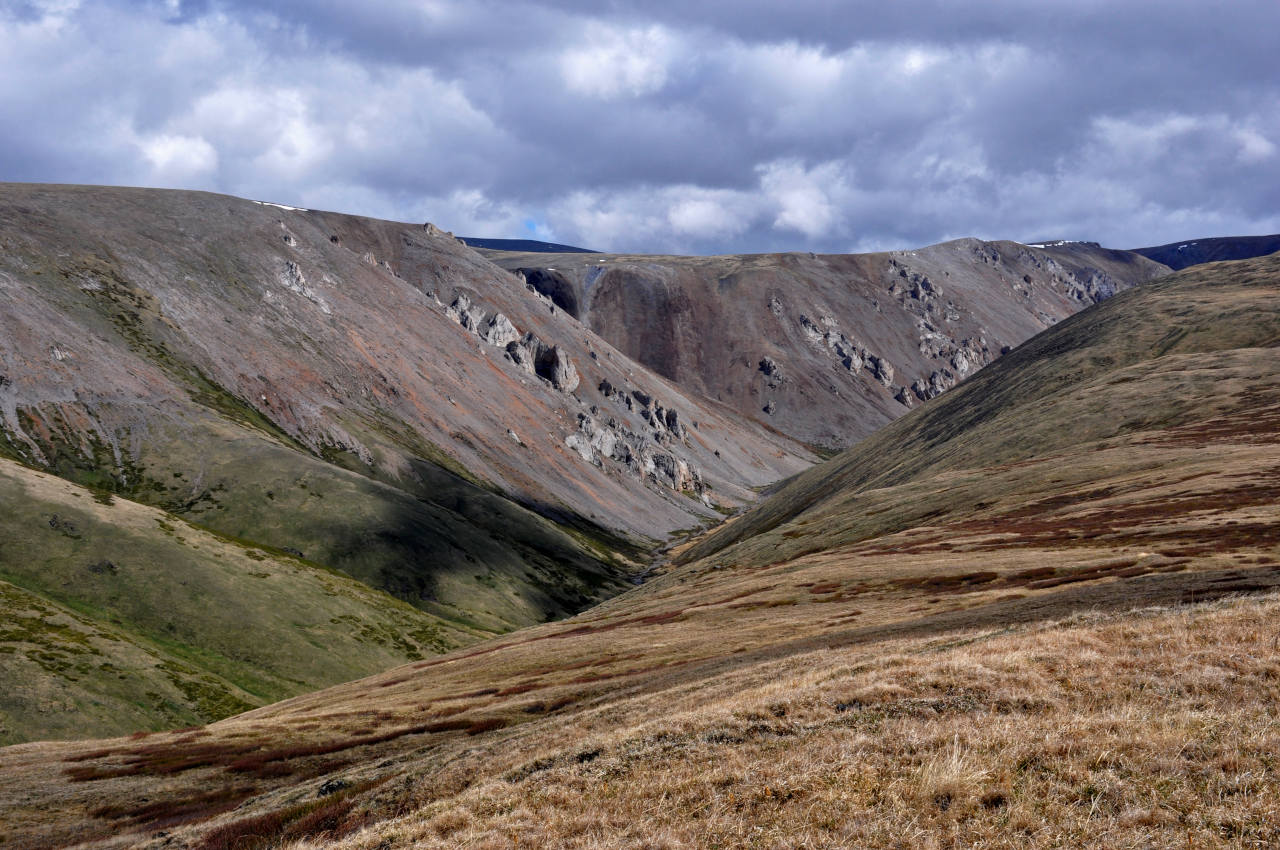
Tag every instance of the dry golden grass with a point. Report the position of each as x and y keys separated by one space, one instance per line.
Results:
x=1152 y=729
x=898 y=690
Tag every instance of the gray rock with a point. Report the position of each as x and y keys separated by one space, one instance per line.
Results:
x=556 y=367
x=499 y=331
x=811 y=331
x=526 y=352
x=465 y=314
x=881 y=369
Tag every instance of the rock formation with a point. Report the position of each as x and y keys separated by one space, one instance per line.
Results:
x=828 y=348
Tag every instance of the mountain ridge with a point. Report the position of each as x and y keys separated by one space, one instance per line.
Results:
x=828 y=348
x=1181 y=255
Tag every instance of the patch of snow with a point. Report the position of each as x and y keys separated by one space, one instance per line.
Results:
x=1057 y=244
x=280 y=206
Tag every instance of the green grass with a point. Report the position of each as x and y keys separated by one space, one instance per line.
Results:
x=133 y=619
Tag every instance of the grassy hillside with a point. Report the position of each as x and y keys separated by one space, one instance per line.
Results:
x=1015 y=621
x=1061 y=411
x=118 y=617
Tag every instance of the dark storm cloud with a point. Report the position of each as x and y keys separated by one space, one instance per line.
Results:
x=721 y=125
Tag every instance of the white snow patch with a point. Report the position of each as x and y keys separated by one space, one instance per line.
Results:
x=280 y=206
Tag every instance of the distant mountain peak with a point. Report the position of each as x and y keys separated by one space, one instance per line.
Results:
x=529 y=246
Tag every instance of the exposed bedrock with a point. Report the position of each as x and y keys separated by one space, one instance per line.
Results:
x=828 y=348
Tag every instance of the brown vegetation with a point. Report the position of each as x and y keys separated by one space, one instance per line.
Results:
x=1048 y=648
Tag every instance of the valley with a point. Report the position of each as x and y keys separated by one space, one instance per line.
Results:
x=1036 y=605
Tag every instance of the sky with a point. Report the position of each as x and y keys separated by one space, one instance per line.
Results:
x=670 y=126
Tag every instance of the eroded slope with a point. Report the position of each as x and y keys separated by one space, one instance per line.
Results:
x=828 y=348
x=373 y=395
x=361 y=395
x=879 y=655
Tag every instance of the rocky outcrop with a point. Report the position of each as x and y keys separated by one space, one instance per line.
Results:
x=462 y=312
x=881 y=369
x=664 y=422
x=499 y=331
x=846 y=337
x=292 y=278
x=601 y=441
x=647 y=447
x=556 y=367
x=772 y=372
x=530 y=353
x=548 y=362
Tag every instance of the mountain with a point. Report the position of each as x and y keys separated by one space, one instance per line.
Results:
x=1180 y=255
x=523 y=245
x=828 y=348
x=1065 y=418
x=318 y=392
x=1012 y=617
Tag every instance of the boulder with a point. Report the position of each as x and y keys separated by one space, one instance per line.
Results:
x=554 y=365
x=499 y=331
x=881 y=369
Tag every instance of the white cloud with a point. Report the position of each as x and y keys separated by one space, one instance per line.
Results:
x=1138 y=138
x=614 y=62
x=919 y=59
x=179 y=159
x=1254 y=147
x=790 y=67
x=807 y=200
x=470 y=212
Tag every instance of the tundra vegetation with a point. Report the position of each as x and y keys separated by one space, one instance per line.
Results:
x=1038 y=610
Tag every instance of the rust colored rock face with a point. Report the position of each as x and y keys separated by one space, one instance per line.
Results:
x=828 y=348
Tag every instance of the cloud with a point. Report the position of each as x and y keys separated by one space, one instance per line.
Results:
x=179 y=159
x=669 y=126
x=613 y=62
x=807 y=200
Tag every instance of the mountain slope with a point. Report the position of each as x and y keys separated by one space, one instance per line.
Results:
x=365 y=396
x=878 y=650
x=118 y=617
x=240 y=363
x=329 y=330
x=828 y=348
x=1180 y=255
x=1195 y=347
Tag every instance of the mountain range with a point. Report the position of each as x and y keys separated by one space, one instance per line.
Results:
x=252 y=452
